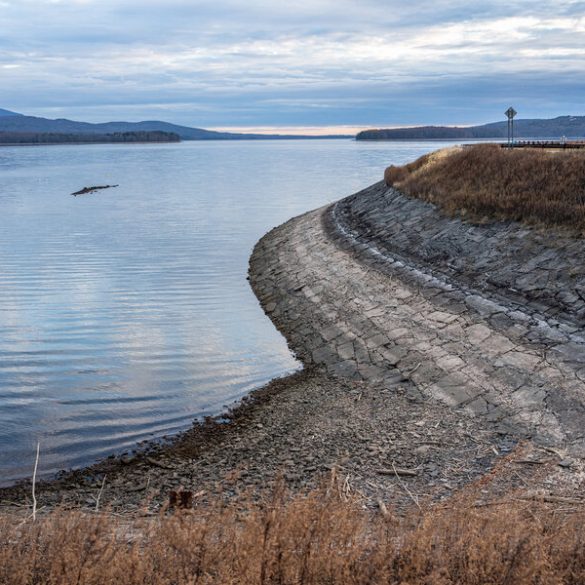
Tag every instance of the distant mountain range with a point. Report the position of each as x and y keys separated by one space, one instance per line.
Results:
x=8 y=113
x=567 y=126
x=13 y=122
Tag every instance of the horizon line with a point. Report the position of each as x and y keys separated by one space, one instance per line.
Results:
x=334 y=130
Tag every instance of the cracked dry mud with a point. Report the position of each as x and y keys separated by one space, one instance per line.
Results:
x=437 y=355
x=485 y=319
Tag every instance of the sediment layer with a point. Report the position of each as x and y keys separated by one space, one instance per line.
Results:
x=486 y=318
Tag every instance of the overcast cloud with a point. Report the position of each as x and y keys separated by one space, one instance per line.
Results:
x=259 y=63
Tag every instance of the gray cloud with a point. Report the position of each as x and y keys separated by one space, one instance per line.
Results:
x=226 y=62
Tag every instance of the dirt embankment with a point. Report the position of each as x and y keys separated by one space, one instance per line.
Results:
x=484 y=318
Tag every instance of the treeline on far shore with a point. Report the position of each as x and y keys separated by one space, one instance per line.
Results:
x=58 y=138
x=431 y=133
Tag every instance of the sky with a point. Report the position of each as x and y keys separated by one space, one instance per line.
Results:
x=318 y=65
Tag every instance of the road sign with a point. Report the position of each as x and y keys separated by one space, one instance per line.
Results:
x=510 y=113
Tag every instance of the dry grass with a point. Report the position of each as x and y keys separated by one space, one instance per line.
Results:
x=321 y=538
x=486 y=182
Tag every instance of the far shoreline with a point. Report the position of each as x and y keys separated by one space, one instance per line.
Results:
x=182 y=141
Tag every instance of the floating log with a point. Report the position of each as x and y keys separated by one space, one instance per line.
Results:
x=93 y=189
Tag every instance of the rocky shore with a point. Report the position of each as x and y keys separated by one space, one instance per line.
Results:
x=437 y=355
x=392 y=286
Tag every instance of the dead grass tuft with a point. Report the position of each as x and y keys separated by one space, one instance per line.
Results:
x=487 y=182
x=319 y=538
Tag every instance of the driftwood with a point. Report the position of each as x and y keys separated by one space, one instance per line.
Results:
x=398 y=471
x=158 y=463
x=93 y=189
x=553 y=499
x=181 y=499
x=529 y=462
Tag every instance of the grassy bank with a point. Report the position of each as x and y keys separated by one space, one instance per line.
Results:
x=324 y=537
x=486 y=182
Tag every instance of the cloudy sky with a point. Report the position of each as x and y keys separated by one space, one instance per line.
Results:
x=292 y=63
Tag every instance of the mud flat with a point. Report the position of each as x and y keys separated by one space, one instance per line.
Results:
x=426 y=370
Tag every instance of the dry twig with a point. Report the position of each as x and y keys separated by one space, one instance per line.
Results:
x=34 y=481
x=405 y=488
x=97 y=500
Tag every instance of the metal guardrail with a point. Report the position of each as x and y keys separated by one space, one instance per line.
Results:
x=557 y=144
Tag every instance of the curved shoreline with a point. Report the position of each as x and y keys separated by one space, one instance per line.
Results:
x=407 y=367
x=375 y=314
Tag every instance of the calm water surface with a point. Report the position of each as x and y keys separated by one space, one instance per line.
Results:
x=126 y=313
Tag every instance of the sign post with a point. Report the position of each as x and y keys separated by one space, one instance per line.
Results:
x=510 y=113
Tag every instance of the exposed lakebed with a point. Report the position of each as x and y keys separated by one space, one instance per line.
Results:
x=126 y=314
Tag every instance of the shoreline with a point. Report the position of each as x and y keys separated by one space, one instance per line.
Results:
x=394 y=364
x=294 y=429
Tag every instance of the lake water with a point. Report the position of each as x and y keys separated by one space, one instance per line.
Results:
x=126 y=313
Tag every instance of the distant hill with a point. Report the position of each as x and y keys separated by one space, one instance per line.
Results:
x=568 y=126
x=63 y=126
x=8 y=113
x=15 y=138
x=11 y=122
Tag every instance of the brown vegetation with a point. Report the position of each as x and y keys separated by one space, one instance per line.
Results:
x=320 y=538
x=486 y=182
